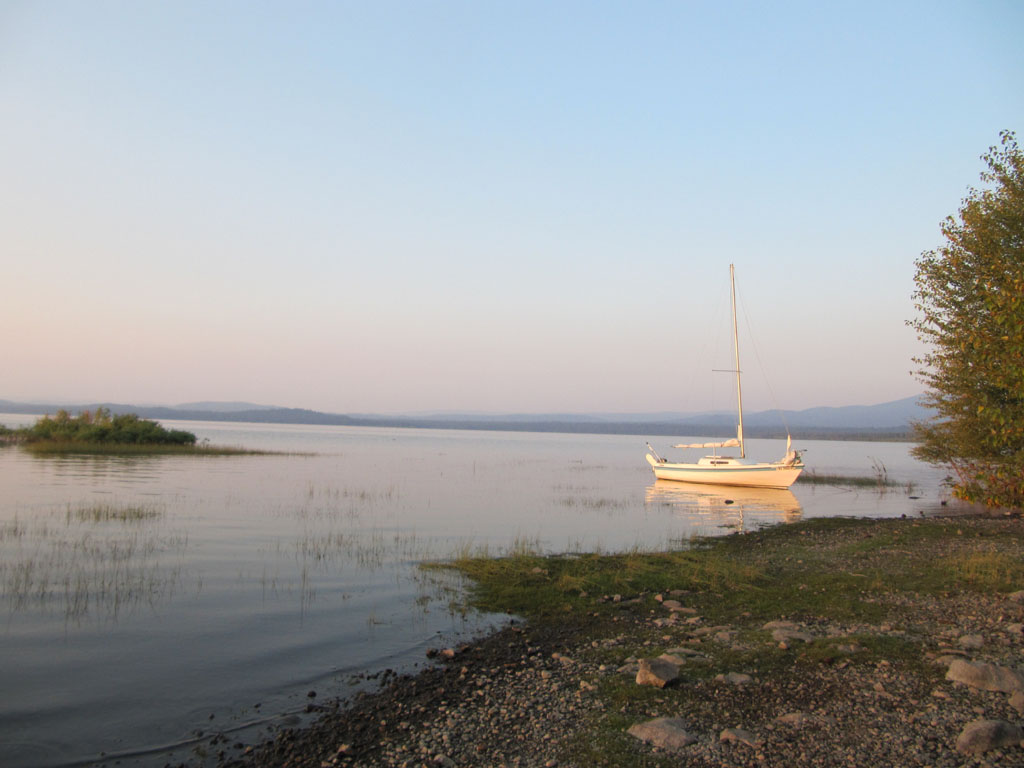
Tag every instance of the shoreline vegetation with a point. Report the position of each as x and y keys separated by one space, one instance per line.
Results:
x=781 y=646
x=100 y=432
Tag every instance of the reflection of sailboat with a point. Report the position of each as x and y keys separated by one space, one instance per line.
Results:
x=733 y=507
x=729 y=470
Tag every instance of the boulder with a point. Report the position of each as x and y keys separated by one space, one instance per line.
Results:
x=664 y=732
x=984 y=735
x=656 y=672
x=971 y=642
x=987 y=677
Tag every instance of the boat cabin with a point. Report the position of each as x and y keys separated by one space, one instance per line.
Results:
x=719 y=461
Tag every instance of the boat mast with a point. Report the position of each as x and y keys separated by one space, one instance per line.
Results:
x=736 y=347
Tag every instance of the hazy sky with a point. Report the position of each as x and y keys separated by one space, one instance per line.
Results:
x=500 y=206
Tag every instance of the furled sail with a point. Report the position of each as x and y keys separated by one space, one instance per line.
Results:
x=733 y=443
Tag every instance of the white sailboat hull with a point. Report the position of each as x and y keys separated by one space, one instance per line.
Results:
x=714 y=470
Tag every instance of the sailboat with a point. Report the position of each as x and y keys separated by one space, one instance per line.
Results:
x=731 y=470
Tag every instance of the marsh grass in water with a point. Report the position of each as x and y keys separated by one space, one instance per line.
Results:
x=96 y=560
x=102 y=513
x=879 y=480
x=63 y=447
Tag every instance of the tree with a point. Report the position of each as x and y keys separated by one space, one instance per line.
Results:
x=970 y=299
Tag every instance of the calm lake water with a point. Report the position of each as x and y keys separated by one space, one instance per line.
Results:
x=148 y=600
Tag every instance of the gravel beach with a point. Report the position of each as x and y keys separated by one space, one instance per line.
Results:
x=566 y=693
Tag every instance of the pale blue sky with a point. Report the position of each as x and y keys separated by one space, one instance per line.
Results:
x=378 y=206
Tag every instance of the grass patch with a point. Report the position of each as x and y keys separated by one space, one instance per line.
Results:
x=878 y=479
x=534 y=585
x=66 y=447
x=810 y=477
x=827 y=567
x=103 y=513
x=988 y=571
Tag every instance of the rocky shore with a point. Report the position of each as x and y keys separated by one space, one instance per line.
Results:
x=646 y=679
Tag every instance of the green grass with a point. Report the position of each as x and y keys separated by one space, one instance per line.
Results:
x=829 y=567
x=533 y=585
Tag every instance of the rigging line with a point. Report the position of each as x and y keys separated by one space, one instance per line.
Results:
x=760 y=365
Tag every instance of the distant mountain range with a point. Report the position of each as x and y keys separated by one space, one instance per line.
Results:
x=885 y=421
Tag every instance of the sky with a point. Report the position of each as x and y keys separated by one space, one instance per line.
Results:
x=383 y=207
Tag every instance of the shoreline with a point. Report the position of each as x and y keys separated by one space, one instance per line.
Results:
x=861 y=683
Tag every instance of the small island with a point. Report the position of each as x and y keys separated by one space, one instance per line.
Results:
x=101 y=432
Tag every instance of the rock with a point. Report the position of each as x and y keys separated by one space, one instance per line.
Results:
x=783 y=635
x=1017 y=701
x=984 y=735
x=734 y=678
x=726 y=636
x=1017 y=597
x=672 y=658
x=794 y=719
x=740 y=736
x=664 y=732
x=684 y=652
x=781 y=625
x=971 y=642
x=656 y=672
x=849 y=648
x=676 y=607
x=987 y=677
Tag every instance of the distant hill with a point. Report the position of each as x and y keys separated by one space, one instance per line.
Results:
x=229 y=407
x=891 y=415
x=885 y=421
